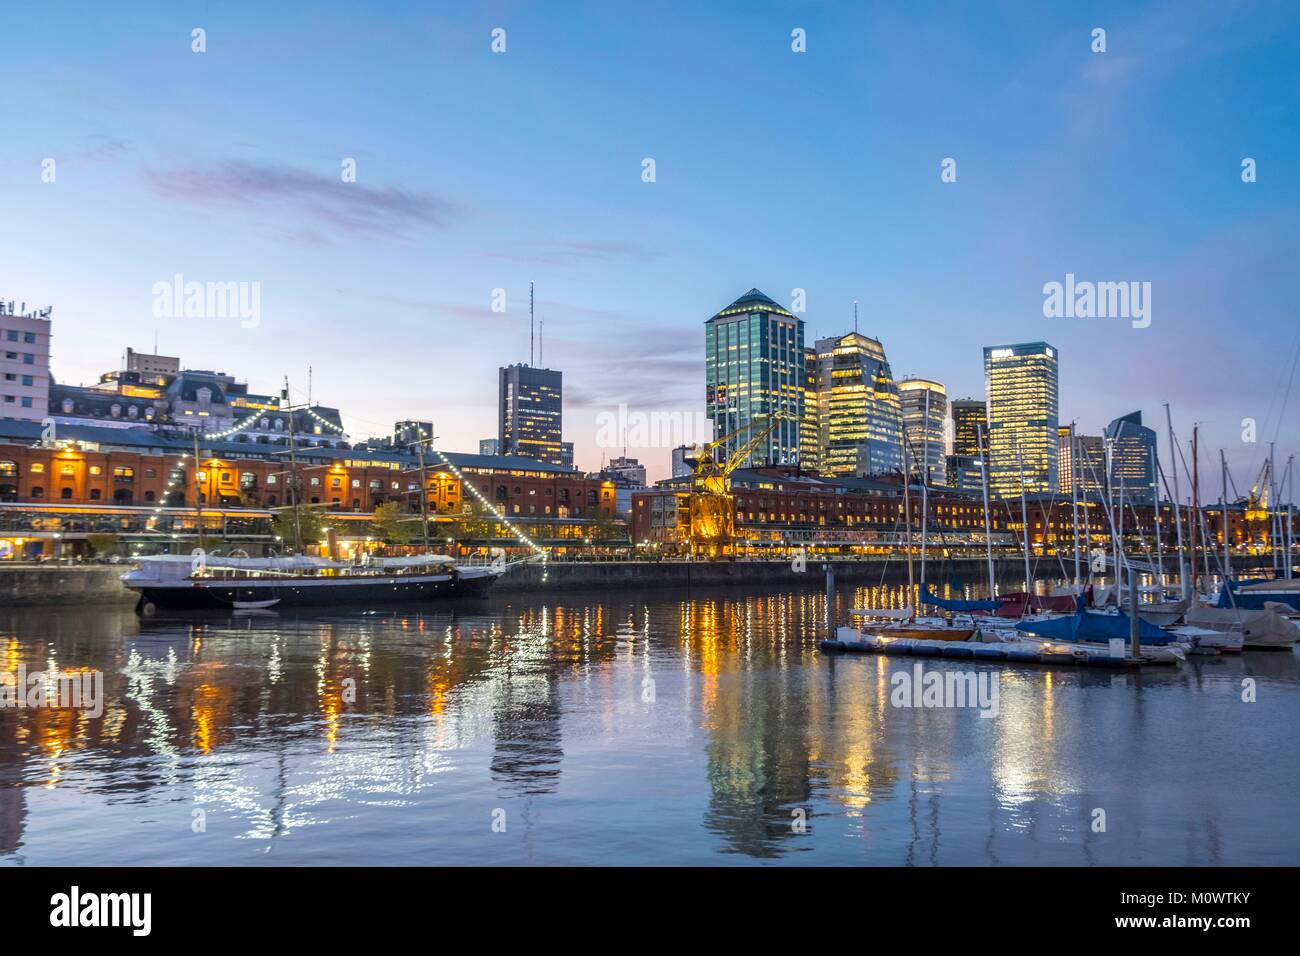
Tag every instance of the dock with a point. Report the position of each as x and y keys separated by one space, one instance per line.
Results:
x=988 y=653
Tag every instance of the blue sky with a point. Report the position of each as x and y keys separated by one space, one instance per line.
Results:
x=819 y=171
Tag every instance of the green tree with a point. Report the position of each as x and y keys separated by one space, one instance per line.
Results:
x=310 y=520
x=102 y=542
x=393 y=525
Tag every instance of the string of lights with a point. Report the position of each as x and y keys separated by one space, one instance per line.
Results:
x=466 y=483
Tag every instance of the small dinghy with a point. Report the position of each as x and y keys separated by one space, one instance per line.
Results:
x=254 y=605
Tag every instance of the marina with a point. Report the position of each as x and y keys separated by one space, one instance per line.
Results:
x=650 y=727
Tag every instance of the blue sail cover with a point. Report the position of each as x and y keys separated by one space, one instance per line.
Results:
x=948 y=604
x=1100 y=628
x=1232 y=595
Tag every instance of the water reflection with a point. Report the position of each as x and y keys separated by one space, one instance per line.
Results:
x=640 y=728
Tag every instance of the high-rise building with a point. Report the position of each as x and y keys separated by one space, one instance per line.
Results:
x=626 y=469
x=489 y=446
x=861 y=424
x=754 y=368
x=809 y=426
x=24 y=363
x=969 y=436
x=1065 y=459
x=681 y=468
x=924 y=406
x=1132 y=459
x=969 y=418
x=530 y=413
x=407 y=434
x=1022 y=382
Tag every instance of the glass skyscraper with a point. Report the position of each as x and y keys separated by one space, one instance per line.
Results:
x=1022 y=383
x=755 y=366
x=861 y=418
x=925 y=409
x=530 y=413
x=1132 y=459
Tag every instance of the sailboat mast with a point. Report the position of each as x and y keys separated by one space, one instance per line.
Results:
x=1223 y=507
x=1196 y=497
x=907 y=525
x=925 y=485
x=1178 y=521
x=1074 y=499
x=984 y=487
x=1024 y=520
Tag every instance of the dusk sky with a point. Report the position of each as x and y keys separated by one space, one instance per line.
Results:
x=774 y=169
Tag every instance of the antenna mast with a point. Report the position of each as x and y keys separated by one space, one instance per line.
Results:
x=530 y=323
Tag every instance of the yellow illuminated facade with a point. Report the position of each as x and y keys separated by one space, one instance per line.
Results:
x=1023 y=412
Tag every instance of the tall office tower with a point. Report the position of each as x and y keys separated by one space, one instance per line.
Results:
x=681 y=468
x=1065 y=459
x=489 y=446
x=924 y=406
x=755 y=367
x=809 y=425
x=861 y=420
x=969 y=434
x=1132 y=459
x=530 y=413
x=969 y=418
x=24 y=362
x=1023 y=413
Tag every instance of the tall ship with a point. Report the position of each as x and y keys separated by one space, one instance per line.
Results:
x=208 y=581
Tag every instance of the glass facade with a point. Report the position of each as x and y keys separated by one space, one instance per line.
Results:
x=861 y=424
x=925 y=409
x=1022 y=383
x=531 y=413
x=1132 y=459
x=755 y=366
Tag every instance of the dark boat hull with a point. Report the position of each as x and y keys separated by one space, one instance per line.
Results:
x=309 y=593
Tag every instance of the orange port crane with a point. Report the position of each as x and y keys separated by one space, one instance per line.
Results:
x=713 y=514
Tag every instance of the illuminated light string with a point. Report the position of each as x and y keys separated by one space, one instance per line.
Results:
x=466 y=483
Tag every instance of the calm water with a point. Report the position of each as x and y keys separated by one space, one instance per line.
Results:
x=653 y=728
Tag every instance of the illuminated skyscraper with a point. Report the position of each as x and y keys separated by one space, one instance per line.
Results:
x=861 y=420
x=1023 y=414
x=810 y=425
x=755 y=366
x=531 y=413
x=1132 y=459
x=925 y=410
x=969 y=416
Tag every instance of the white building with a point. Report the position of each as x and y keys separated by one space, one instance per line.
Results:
x=24 y=362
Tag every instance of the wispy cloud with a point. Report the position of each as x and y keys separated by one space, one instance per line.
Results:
x=277 y=190
x=568 y=251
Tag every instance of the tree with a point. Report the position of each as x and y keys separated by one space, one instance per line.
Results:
x=102 y=542
x=391 y=524
x=311 y=522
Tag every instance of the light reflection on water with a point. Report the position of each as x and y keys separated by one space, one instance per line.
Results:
x=656 y=727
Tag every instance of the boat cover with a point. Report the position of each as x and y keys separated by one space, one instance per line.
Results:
x=950 y=604
x=1099 y=628
x=1263 y=627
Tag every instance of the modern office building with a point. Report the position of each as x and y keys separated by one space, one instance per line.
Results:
x=755 y=367
x=1132 y=459
x=680 y=466
x=24 y=362
x=810 y=442
x=530 y=413
x=924 y=405
x=1081 y=461
x=861 y=424
x=969 y=436
x=969 y=419
x=1022 y=383
x=408 y=434
x=489 y=446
